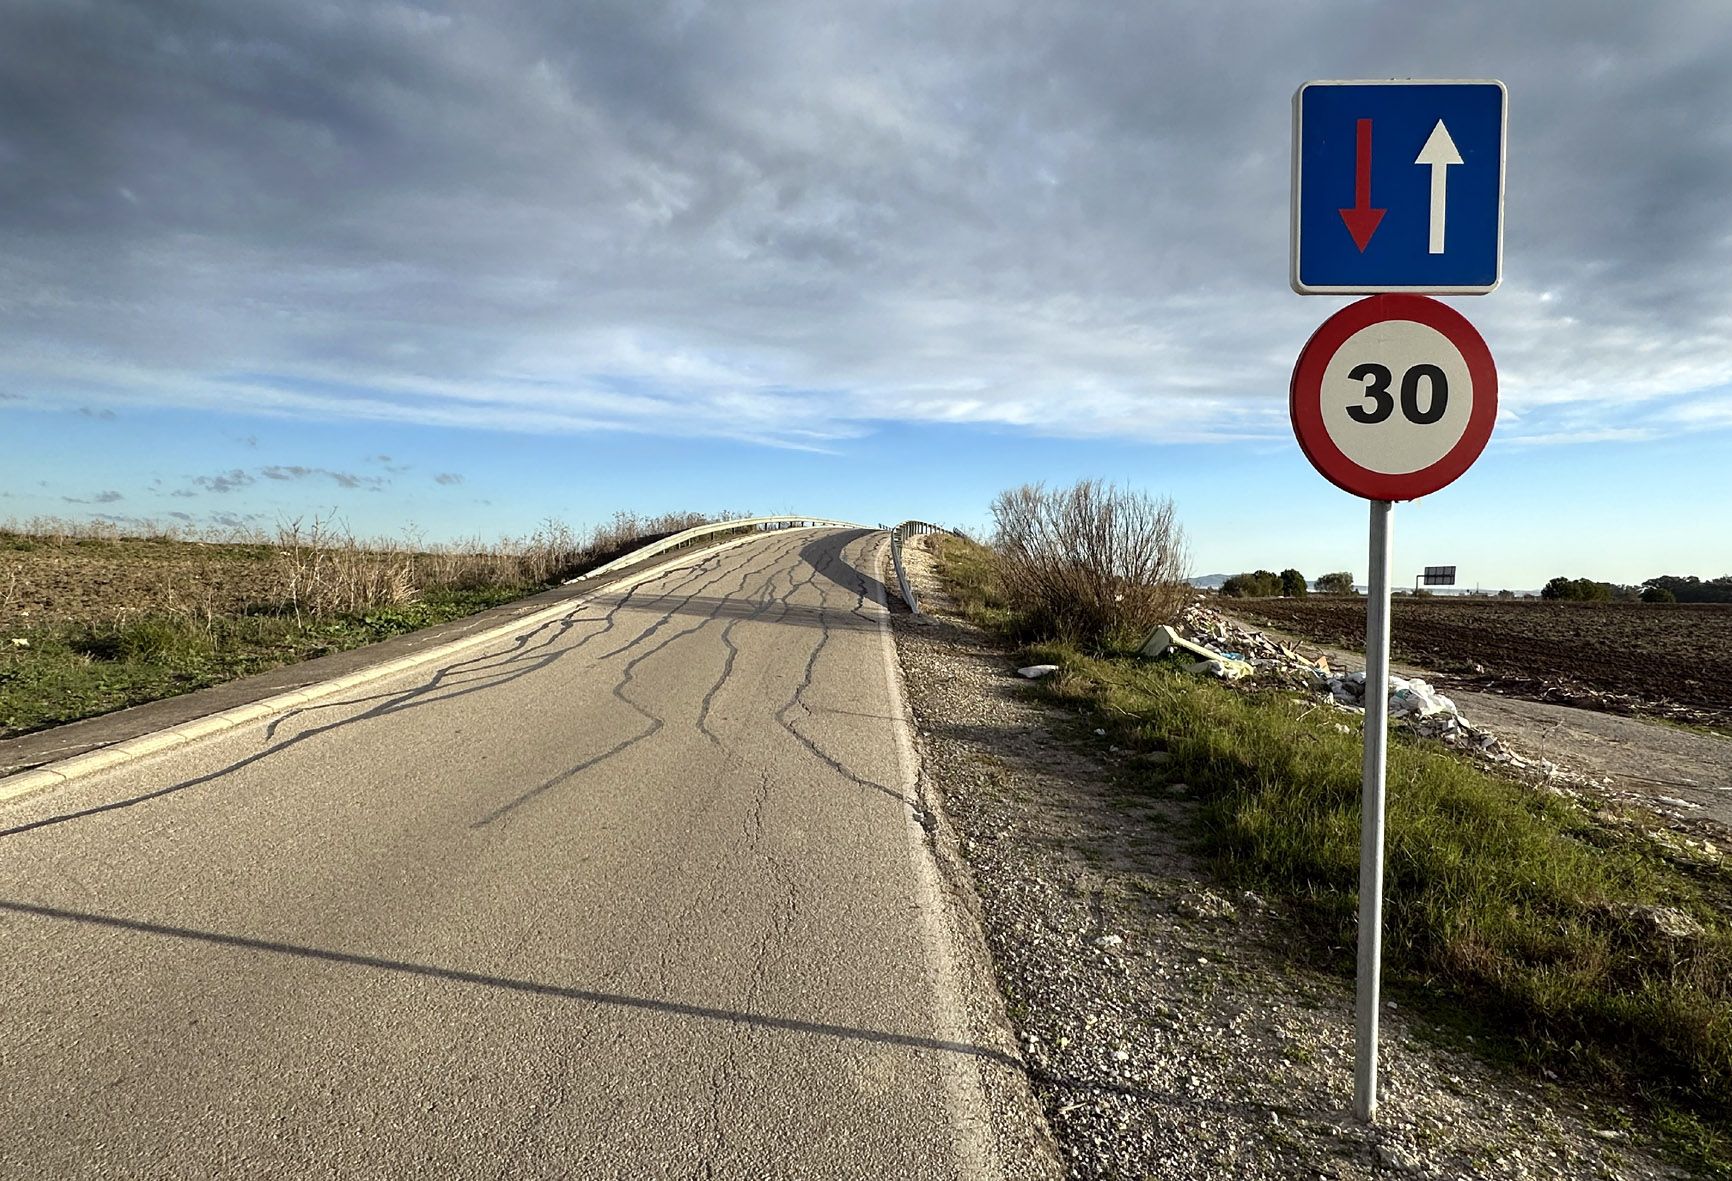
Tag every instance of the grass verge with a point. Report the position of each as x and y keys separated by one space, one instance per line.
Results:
x=1582 y=951
x=67 y=671
x=93 y=620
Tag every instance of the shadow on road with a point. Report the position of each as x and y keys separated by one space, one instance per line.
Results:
x=793 y=614
x=827 y=555
x=510 y=984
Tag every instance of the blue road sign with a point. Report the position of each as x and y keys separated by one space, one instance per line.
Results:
x=1398 y=186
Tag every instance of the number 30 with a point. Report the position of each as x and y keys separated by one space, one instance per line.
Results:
x=1377 y=378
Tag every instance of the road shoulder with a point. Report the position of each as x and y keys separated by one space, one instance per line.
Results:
x=1021 y=1142
x=1166 y=1026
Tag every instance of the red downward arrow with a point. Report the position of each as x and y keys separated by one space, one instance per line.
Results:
x=1362 y=219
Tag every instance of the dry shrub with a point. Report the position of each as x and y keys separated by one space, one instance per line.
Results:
x=324 y=570
x=327 y=572
x=1091 y=564
x=318 y=568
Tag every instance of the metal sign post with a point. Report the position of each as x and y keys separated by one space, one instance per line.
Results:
x=1364 y=438
x=1397 y=191
x=1371 y=793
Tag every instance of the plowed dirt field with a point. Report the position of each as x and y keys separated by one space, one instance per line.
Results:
x=1669 y=660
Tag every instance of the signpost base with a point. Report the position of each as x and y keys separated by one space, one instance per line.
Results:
x=1371 y=812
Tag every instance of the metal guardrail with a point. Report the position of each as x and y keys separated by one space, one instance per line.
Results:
x=698 y=532
x=898 y=537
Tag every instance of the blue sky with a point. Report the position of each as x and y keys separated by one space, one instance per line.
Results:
x=458 y=270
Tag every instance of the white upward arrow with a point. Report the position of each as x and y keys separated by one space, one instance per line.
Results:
x=1439 y=152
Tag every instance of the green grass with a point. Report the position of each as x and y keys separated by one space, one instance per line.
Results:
x=76 y=670
x=1691 y=727
x=1507 y=910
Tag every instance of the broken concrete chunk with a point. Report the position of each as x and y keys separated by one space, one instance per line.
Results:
x=1164 y=639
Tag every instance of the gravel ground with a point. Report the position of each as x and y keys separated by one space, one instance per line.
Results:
x=1164 y=1032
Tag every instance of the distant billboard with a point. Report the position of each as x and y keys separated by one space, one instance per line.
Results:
x=1439 y=576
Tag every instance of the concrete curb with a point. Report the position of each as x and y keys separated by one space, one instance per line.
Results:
x=53 y=775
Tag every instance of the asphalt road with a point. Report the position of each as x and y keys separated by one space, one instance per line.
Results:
x=642 y=893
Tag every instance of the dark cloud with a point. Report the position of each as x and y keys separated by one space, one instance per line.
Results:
x=102 y=413
x=341 y=479
x=108 y=497
x=389 y=464
x=448 y=478
x=224 y=481
x=735 y=220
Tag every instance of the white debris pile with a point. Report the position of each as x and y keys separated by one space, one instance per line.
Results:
x=1232 y=645
x=1236 y=642
x=1407 y=699
x=1414 y=704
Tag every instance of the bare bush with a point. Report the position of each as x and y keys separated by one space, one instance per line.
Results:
x=312 y=568
x=326 y=571
x=1093 y=563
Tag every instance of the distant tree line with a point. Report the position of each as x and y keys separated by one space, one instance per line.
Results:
x=1688 y=589
x=1584 y=590
x=1265 y=584
x=1668 y=588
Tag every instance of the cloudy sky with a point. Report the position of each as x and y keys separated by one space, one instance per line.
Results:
x=465 y=267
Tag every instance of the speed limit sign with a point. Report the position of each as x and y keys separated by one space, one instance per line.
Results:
x=1394 y=397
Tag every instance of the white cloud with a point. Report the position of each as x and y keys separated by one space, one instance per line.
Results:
x=686 y=220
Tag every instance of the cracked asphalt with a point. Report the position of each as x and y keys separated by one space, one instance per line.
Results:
x=640 y=893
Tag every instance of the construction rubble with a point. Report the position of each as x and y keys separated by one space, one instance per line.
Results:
x=1212 y=643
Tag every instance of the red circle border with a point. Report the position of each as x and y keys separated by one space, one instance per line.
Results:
x=1305 y=397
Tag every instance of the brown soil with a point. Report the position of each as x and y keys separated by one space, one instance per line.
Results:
x=1665 y=660
x=96 y=581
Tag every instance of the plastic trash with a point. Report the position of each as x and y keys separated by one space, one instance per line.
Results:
x=1036 y=671
x=1417 y=698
